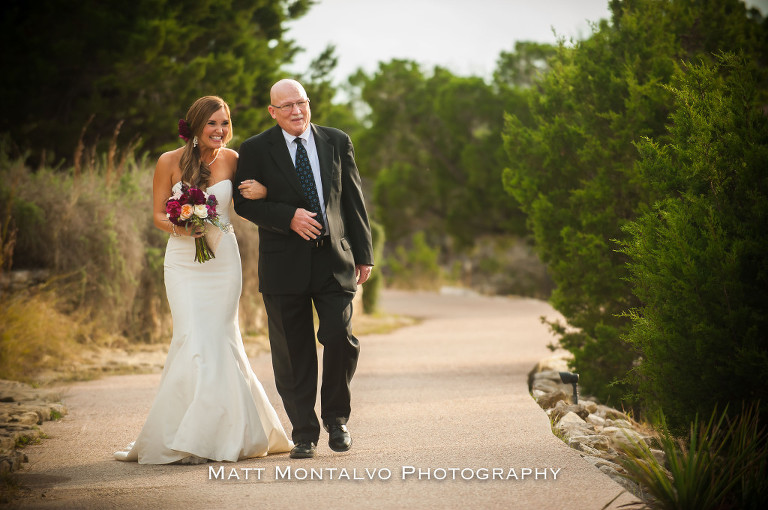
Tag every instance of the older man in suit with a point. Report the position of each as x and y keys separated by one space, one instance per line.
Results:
x=314 y=248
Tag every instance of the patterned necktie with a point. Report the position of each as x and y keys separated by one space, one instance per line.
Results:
x=307 y=179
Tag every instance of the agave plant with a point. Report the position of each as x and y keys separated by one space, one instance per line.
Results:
x=724 y=465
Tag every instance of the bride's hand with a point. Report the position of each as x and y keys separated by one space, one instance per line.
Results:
x=252 y=190
x=196 y=231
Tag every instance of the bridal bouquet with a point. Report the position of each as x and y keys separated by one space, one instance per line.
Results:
x=190 y=208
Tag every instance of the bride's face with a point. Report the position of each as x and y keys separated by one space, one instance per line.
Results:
x=215 y=131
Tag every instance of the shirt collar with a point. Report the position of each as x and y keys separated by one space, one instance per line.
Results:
x=289 y=138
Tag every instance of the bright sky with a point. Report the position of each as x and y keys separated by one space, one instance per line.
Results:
x=466 y=36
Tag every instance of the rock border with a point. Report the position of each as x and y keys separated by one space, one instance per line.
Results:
x=600 y=434
x=23 y=409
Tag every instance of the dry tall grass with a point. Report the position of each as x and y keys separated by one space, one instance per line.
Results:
x=36 y=336
x=91 y=229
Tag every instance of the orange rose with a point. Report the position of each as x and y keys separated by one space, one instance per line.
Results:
x=187 y=210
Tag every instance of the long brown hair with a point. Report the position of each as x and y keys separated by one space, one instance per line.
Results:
x=195 y=171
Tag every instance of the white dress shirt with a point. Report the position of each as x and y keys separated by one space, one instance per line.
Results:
x=308 y=140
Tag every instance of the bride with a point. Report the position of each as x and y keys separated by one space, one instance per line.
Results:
x=210 y=405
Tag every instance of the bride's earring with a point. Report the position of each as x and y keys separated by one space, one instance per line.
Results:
x=194 y=142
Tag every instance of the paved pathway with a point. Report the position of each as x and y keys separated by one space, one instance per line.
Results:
x=441 y=419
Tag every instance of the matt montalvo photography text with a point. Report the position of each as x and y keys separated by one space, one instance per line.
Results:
x=289 y=473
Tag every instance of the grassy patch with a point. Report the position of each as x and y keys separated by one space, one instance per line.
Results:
x=35 y=336
x=722 y=464
x=23 y=441
x=381 y=324
x=9 y=488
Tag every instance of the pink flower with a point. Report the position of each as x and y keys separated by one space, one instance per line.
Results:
x=173 y=209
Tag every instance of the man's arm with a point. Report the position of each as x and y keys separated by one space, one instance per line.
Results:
x=356 y=222
x=273 y=216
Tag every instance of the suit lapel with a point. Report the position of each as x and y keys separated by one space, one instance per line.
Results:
x=325 y=156
x=282 y=158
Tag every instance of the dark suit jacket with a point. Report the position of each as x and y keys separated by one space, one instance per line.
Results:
x=284 y=257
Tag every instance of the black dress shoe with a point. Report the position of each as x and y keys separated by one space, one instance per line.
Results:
x=338 y=437
x=303 y=450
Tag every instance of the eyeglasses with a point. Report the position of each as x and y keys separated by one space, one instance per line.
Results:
x=289 y=107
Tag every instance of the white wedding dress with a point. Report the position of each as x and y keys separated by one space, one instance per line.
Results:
x=210 y=405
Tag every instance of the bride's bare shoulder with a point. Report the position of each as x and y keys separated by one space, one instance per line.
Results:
x=230 y=157
x=172 y=158
x=230 y=154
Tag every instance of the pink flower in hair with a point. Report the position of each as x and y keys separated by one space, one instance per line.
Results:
x=185 y=133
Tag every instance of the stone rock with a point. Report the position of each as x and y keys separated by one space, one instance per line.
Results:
x=599 y=462
x=622 y=424
x=556 y=363
x=571 y=417
x=611 y=414
x=546 y=386
x=592 y=441
x=548 y=380
x=27 y=418
x=550 y=399
x=562 y=408
x=623 y=438
x=22 y=409
x=659 y=455
x=617 y=477
x=572 y=425
x=575 y=443
x=595 y=420
x=591 y=406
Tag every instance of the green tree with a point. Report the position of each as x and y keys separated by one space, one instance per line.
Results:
x=141 y=62
x=434 y=148
x=699 y=259
x=524 y=66
x=573 y=168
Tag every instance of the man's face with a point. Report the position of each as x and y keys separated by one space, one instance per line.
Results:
x=290 y=108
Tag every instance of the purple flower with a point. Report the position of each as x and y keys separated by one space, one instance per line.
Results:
x=185 y=133
x=212 y=200
x=197 y=196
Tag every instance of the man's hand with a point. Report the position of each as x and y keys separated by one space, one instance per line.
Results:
x=305 y=224
x=363 y=272
x=252 y=190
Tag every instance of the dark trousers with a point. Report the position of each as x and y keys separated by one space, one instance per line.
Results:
x=294 y=352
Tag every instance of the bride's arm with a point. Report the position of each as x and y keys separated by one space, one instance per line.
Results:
x=161 y=192
x=252 y=190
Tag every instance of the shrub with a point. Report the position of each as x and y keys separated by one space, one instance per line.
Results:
x=415 y=268
x=94 y=237
x=372 y=288
x=573 y=170
x=699 y=259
